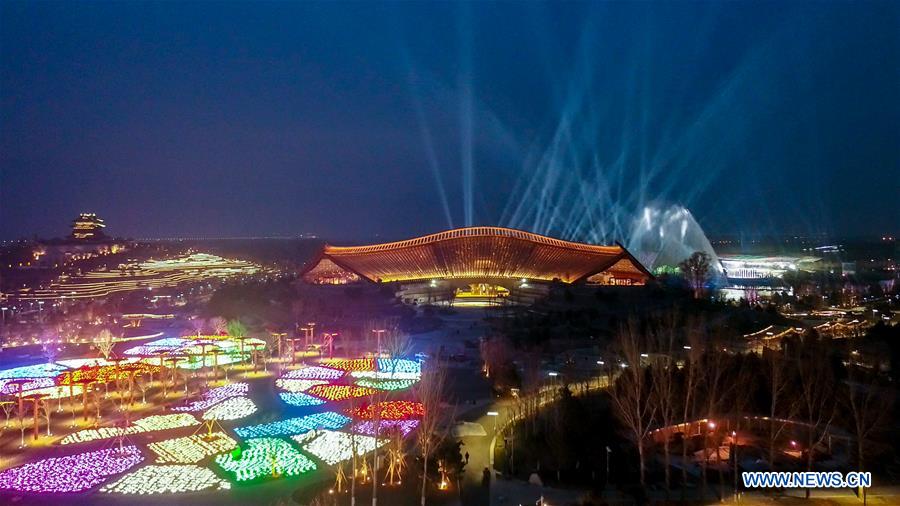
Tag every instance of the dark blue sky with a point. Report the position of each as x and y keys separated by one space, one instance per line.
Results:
x=228 y=119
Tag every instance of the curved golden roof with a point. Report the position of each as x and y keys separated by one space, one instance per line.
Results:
x=473 y=253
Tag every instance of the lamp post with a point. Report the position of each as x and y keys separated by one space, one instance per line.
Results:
x=494 y=415
x=378 y=333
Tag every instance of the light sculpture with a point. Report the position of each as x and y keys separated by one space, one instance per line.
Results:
x=191 y=449
x=32 y=371
x=170 y=479
x=73 y=473
x=399 y=365
x=291 y=426
x=266 y=457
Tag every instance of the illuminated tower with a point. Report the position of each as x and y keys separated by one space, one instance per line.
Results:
x=88 y=227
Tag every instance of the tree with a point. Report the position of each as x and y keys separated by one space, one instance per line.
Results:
x=869 y=408
x=218 y=324
x=431 y=392
x=663 y=388
x=105 y=343
x=778 y=379
x=690 y=384
x=696 y=271
x=631 y=393
x=815 y=373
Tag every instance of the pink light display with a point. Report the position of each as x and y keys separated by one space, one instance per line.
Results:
x=73 y=473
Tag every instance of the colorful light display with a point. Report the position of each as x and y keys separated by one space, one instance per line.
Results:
x=390 y=385
x=354 y=364
x=384 y=426
x=214 y=396
x=234 y=408
x=390 y=410
x=265 y=456
x=292 y=426
x=32 y=371
x=72 y=473
x=300 y=399
x=340 y=392
x=191 y=449
x=171 y=479
x=13 y=386
x=148 y=424
x=298 y=385
x=386 y=375
x=314 y=372
x=157 y=347
x=333 y=447
x=106 y=373
x=399 y=365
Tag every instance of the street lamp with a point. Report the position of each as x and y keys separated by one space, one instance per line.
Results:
x=494 y=415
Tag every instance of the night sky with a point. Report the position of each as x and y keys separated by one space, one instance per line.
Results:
x=345 y=119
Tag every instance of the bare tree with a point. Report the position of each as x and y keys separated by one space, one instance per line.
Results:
x=631 y=393
x=690 y=384
x=218 y=324
x=105 y=343
x=696 y=271
x=816 y=380
x=198 y=324
x=780 y=407
x=869 y=408
x=664 y=386
x=431 y=393
x=715 y=388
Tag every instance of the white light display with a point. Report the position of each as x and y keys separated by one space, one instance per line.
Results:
x=170 y=479
x=192 y=449
x=333 y=447
x=214 y=396
x=298 y=385
x=314 y=372
x=231 y=409
x=148 y=424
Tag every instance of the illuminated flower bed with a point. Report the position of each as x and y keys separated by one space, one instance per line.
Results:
x=172 y=479
x=400 y=365
x=314 y=372
x=291 y=426
x=157 y=347
x=231 y=409
x=191 y=449
x=298 y=385
x=32 y=371
x=214 y=396
x=106 y=373
x=333 y=447
x=73 y=473
x=263 y=456
x=389 y=385
x=300 y=399
x=386 y=375
x=13 y=386
x=385 y=426
x=353 y=364
x=148 y=424
x=340 y=392
x=391 y=410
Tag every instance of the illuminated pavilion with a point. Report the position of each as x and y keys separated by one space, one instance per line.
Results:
x=485 y=261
